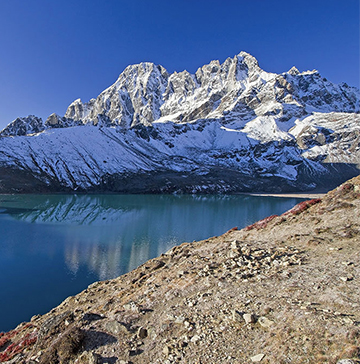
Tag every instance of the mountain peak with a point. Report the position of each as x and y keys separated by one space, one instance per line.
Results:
x=145 y=93
x=293 y=71
x=143 y=68
x=245 y=55
x=24 y=126
x=247 y=58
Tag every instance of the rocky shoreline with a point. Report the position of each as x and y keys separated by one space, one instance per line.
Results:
x=283 y=290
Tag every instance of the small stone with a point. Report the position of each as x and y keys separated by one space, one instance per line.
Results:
x=166 y=350
x=267 y=310
x=232 y=254
x=345 y=361
x=265 y=322
x=180 y=273
x=286 y=274
x=180 y=320
x=88 y=357
x=257 y=358
x=183 y=343
x=33 y=318
x=195 y=339
x=142 y=333
x=346 y=279
x=234 y=245
x=134 y=351
x=131 y=306
x=115 y=327
x=237 y=316
x=249 y=318
x=348 y=320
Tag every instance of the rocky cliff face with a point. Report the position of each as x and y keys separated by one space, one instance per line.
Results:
x=285 y=289
x=229 y=127
x=145 y=93
x=24 y=126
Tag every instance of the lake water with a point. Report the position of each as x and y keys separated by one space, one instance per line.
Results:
x=54 y=246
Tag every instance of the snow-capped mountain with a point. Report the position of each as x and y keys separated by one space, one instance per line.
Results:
x=229 y=127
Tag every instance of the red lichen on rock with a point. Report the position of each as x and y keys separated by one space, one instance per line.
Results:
x=18 y=347
x=261 y=224
x=6 y=336
x=347 y=187
x=301 y=207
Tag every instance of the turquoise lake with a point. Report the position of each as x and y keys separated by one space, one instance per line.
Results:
x=54 y=246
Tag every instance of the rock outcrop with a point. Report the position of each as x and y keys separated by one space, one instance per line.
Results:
x=24 y=126
x=285 y=289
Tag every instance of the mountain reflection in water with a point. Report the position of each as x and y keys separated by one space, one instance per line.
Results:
x=53 y=246
x=113 y=234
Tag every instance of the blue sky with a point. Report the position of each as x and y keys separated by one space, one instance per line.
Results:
x=53 y=52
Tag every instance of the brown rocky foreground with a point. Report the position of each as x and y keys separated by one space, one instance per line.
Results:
x=284 y=290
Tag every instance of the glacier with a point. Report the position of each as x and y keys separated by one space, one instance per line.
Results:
x=230 y=127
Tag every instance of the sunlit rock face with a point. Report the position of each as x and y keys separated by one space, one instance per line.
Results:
x=24 y=126
x=229 y=127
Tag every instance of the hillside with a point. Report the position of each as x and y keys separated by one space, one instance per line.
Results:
x=283 y=290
